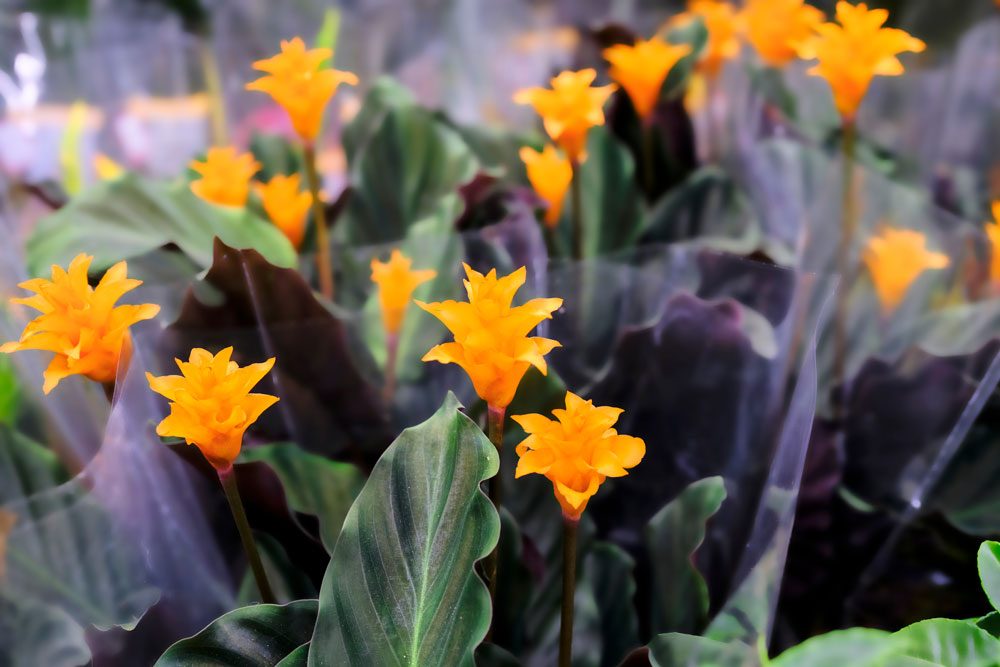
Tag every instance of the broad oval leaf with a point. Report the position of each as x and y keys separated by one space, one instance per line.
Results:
x=400 y=588
x=261 y=635
x=33 y=633
x=858 y=647
x=131 y=216
x=989 y=571
x=949 y=643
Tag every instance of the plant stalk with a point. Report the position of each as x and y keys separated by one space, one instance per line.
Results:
x=228 y=479
x=494 y=430
x=392 y=352
x=848 y=228
x=647 y=158
x=577 y=214
x=213 y=86
x=324 y=265
x=570 y=526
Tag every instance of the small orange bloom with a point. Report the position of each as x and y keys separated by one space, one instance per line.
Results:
x=297 y=80
x=642 y=68
x=895 y=258
x=576 y=451
x=550 y=175
x=225 y=176
x=855 y=50
x=80 y=324
x=722 y=23
x=396 y=282
x=569 y=109
x=7 y=521
x=211 y=406
x=286 y=205
x=776 y=27
x=106 y=168
x=491 y=336
x=993 y=234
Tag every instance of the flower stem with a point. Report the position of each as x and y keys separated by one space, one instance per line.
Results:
x=228 y=479
x=392 y=351
x=848 y=224
x=647 y=158
x=494 y=430
x=576 y=218
x=324 y=265
x=570 y=526
x=213 y=86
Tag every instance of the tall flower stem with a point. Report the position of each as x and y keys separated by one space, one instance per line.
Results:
x=228 y=479
x=848 y=225
x=213 y=86
x=324 y=265
x=647 y=158
x=576 y=218
x=494 y=430
x=570 y=526
x=392 y=353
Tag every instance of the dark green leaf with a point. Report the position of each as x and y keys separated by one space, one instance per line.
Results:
x=680 y=599
x=313 y=484
x=990 y=622
x=678 y=650
x=288 y=582
x=276 y=155
x=384 y=95
x=258 y=636
x=410 y=162
x=491 y=655
x=131 y=216
x=297 y=658
x=610 y=571
x=9 y=392
x=695 y=34
x=400 y=588
x=32 y=633
x=26 y=467
x=989 y=571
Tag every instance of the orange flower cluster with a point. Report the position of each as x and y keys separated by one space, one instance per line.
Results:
x=642 y=68
x=993 y=234
x=895 y=259
x=211 y=406
x=225 y=176
x=298 y=81
x=80 y=324
x=722 y=22
x=396 y=281
x=286 y=205
x=576 y=451
x=775 y=28
x=491 y=336
x=550 y=175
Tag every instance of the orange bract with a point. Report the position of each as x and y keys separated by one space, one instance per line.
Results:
x=642 y=68
x=550 y=175
x=993 y=234
x=491 y=336
x=396 y=282
x=211 y=406
x=569 y=109
x=287 y=206
x=855 y=50
x=298 y=82
x=722 y=23
x=895 y=258
x=7 y=521
x=776 y=27
x=576 y=451
x=80 y=324
x=225 y=176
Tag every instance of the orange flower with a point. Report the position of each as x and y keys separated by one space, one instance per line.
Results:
x=993 y=234
x=225 y=176
x=776 y=27
x=491 y=337
x=722 y=23
x=106 y=168
x=642 y=68
x=286 y=205
x=895 y=258
x=211 y=406
x=576 y=451
x=297 y=80
x=550 y=175
x=855 y=51
x=569 y=109
x=396 y=282
x=7 y=521
x=80 y=323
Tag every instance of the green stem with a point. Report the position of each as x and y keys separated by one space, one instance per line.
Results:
x=392 y=352
x=213 y=86
x=647 y=158
x=228 y=479
x=848 y=225
x=576 y=218
x=570 y=526
x=494 y=430
x=324 y=265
